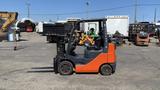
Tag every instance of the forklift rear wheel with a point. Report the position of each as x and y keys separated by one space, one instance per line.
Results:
x=106 y=70
x=65 y=68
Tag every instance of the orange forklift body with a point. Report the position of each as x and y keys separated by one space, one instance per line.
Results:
x=103 y=58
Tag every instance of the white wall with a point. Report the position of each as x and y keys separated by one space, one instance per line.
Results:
x=86 y=26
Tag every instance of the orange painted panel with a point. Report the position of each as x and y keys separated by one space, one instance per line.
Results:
x=93 y=66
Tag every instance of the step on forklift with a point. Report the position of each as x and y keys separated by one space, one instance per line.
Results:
x=99 y=57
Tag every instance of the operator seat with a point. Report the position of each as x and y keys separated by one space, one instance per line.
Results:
x=91 y=53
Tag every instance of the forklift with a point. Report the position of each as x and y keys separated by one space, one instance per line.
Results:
x=99 y=57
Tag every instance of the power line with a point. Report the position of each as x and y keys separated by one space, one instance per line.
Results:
x=148 y=4
x=93 y=11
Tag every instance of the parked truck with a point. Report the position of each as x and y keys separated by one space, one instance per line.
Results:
x=42 y=26
x=26 y=25
x=52 y=29
x=58 y=28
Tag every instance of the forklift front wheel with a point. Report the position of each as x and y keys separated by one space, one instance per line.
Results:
x=65 y=68
x=106 y=70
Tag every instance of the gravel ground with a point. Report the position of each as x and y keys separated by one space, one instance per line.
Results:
x=30 y=68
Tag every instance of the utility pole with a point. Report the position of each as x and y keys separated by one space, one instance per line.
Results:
x=28 y=8
x=143 y=18
x=87 y=10
x=135 y=12
x=57 y=17
x=155 y=15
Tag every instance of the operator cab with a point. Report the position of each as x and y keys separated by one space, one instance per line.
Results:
x=91 y=42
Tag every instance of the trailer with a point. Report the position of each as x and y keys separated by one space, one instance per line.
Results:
x=118 y=24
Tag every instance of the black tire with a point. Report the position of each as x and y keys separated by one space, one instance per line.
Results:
x=65 y=68
x=106 y=70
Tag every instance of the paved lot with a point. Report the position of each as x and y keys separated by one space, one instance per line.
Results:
x=30 y=68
